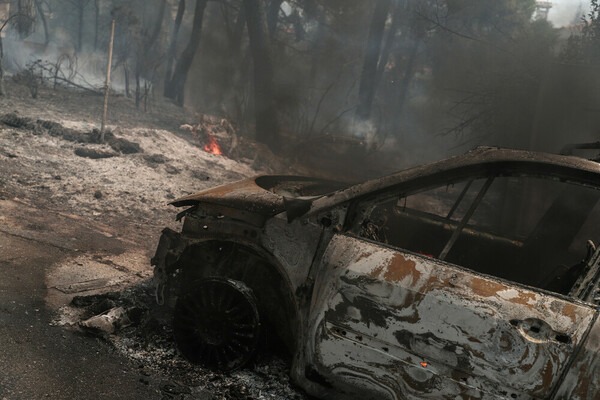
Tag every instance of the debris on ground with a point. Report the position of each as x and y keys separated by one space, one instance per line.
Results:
x=118 y=145
x=94 y=154
x=133 y=322
x=107 y=322
x=210 y=131
x=14 y=121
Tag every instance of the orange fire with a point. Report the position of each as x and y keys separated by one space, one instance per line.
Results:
x=213 y=146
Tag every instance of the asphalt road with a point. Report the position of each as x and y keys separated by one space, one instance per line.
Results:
x=39 y=360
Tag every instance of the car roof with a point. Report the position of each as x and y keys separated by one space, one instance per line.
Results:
x=481 y=161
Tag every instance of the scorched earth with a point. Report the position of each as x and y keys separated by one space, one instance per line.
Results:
x=79 y=218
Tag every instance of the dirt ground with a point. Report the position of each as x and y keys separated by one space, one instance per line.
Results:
x=79 y=218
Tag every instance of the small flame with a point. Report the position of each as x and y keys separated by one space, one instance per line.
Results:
x=212 y=146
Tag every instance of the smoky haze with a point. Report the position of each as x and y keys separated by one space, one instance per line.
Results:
x=568 y=12
x=370 y=85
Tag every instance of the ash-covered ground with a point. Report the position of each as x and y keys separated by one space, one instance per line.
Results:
x=147 y=339
x=55 y=175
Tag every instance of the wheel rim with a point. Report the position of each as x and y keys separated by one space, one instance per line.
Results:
x=217 y=324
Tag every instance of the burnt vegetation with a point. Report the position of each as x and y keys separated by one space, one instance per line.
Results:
x=392 y=75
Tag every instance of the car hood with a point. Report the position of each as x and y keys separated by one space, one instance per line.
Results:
x=267 y=195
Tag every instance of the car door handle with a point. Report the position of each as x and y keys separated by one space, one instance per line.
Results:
x=535 y=329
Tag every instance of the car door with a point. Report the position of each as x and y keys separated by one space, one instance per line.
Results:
x=388 y=323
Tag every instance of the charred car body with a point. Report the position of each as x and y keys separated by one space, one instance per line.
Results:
x=472 y=277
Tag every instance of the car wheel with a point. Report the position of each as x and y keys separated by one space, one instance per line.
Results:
x=217 y=324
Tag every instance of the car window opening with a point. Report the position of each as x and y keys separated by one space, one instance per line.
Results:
x=524 y=229
x=460 y=198
x=466 y=217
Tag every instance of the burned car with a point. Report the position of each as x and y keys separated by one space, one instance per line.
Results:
x=472 y=277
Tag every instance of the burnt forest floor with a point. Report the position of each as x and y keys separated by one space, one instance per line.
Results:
x=91 y=214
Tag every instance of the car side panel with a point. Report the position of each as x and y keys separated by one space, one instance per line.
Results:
x=583 y=379
x=293 y=244
x=401 y=325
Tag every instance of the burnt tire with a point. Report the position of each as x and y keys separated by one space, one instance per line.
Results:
x=216 y=324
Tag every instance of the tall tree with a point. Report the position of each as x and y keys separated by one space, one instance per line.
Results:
x=404 y=78
x=238 y=31
x=173 y=45
x=2 y=59
x=79 y=6
x=25 y=16
x=260 y=46
x=176 y=86
x=96 y=22
x=368 y=77
x=389 y=42
x=147 y=58
x=157 y=25
x=40 y=12
x=584 y=48
x=273 y=15
x=234 y=76
x=127 y=27
x=487 y=60
x=3 y=24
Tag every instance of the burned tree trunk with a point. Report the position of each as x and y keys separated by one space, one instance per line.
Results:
x=80 y=9
x=176 y=87
x=260 y=46
x=2 y=92
x=387 y=44
x=24 y=13
x=239 y=71
x=238 y=31
x=158 y=25
x=316 y=15
x=96 y=22
x=405 y=85
x=138 y=92
x=232 y=71
x=126 y=73
x=1 y=66
x=144 y=60
x=40 y=11
x=273 y=16
x=368 y=78
x=173 y=46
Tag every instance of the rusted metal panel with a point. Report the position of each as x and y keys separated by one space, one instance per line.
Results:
x=245 y=194
x=384 y=312
x=262 y=194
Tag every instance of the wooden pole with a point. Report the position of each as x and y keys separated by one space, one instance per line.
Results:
x=107 y=86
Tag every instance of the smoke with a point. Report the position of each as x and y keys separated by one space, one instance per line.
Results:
x=567 y=12
x=85 y=69
x=364 y=130
x=438 y=93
